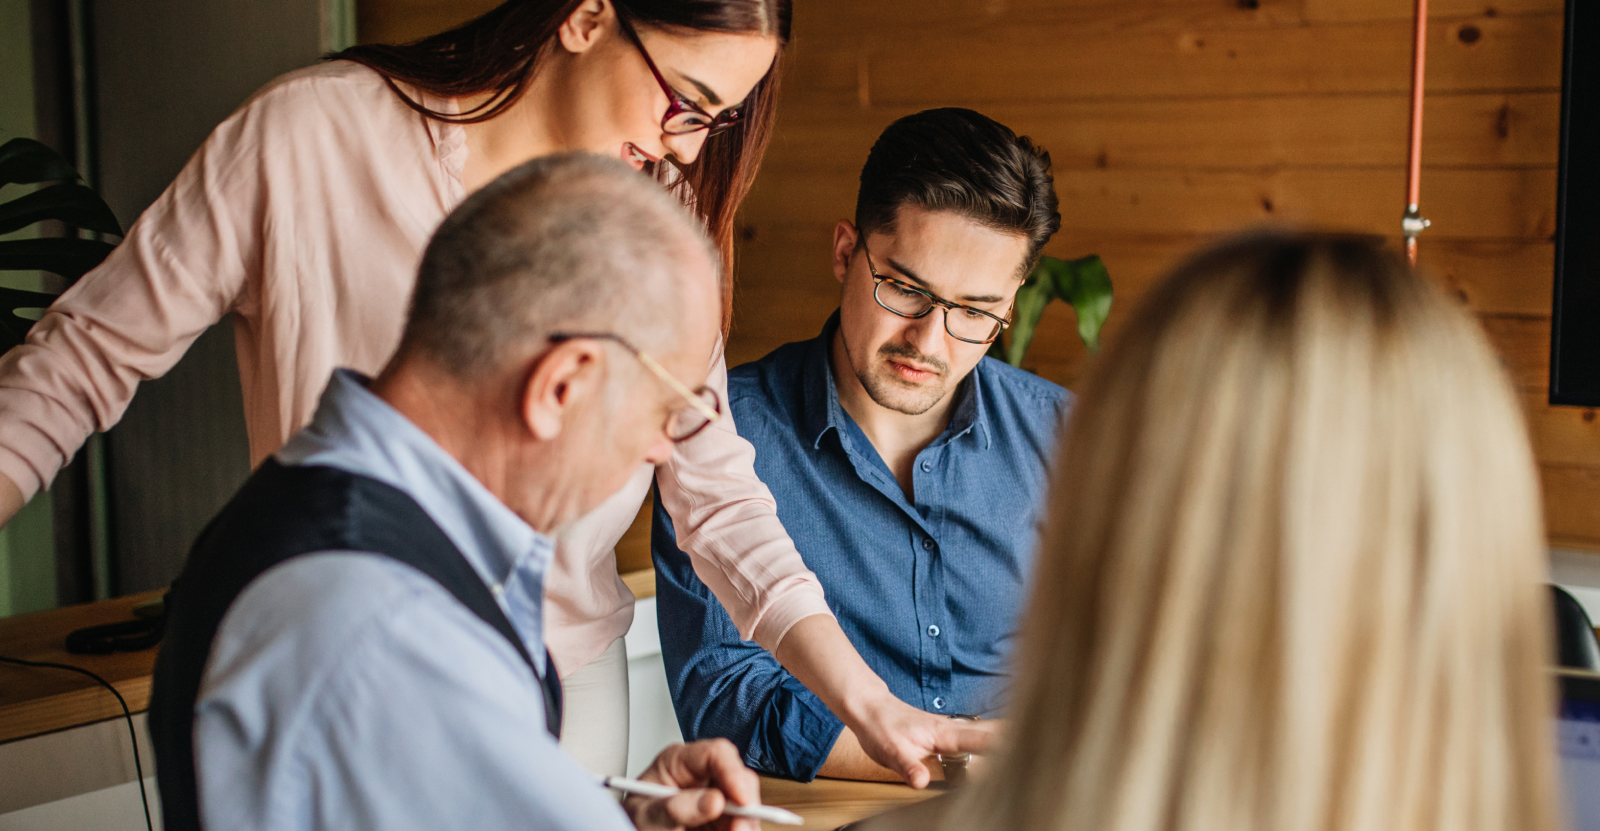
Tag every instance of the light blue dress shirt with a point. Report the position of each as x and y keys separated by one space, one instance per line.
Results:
x=347 y=690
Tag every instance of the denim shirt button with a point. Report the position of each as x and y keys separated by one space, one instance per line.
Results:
x=938 y=704
x=927 y=467
x=933 y=631
x=928 y=543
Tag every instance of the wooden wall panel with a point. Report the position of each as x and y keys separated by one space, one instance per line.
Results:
x=934 y=68
x=1470 y=130
x=401 y=21
x=1332 y=10
x=888 y=17
x=1562 y=435
x=1571 y=504
x=1473 y=204
x=1171 y=123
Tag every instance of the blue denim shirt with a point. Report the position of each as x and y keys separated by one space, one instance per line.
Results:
x=928 y=591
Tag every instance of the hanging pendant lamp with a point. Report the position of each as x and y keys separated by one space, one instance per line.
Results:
x=1411 y=222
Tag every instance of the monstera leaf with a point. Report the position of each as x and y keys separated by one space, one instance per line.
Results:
x=1082 y=284
x=25 y=162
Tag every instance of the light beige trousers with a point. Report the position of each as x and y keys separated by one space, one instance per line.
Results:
x=594 y=712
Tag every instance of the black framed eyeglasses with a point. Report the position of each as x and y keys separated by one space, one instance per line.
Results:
x=684 y=423
x=683 y=116
x=964 y=323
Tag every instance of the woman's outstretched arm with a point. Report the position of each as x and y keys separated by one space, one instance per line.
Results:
x=727 y=521
x=183 y=266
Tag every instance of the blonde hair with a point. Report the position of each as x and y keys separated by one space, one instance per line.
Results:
x=1292 y=573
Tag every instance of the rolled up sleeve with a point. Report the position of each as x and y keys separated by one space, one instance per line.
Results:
x=183 y=266
x=724 y=686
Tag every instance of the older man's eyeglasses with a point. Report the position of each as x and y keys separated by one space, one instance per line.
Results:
x=964 y=323
x=704 y=405
x=683 y=116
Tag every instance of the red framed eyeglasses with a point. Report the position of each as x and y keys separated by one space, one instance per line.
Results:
x=683 y=116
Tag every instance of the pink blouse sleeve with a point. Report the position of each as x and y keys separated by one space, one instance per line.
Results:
x=182 y=267
x=727 y=522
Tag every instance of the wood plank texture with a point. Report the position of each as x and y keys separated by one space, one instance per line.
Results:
x=826 y=804
x=1172 y=123
x=1524 y=346
x=401 y=21
x=1096 y=16
x=1463 y=130
x=1495 y=203
x=633 y=550
x=1562 y=435
x=1572 y=505
x=34 y=701
x=985 y=68
x=642 y=583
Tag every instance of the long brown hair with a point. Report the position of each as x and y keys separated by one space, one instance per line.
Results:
x=499 y=52
x=1292 y=575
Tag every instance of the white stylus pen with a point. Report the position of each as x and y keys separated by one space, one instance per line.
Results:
x=765 y=813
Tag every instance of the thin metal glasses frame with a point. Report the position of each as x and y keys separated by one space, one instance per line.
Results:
x=711 y=412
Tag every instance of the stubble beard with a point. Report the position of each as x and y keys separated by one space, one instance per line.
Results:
x=891 y=392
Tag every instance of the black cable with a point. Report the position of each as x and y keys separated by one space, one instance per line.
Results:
x=126 y=714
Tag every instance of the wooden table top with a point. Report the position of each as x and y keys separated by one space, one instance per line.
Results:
x=34 y=701
x=827 y=804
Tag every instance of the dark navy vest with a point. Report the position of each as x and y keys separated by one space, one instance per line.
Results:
x=281 y=513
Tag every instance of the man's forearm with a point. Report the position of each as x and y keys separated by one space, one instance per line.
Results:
x=848 y=761
x=893 y=733
x=817 y=653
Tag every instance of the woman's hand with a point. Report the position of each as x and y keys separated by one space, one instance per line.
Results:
x=711 y=774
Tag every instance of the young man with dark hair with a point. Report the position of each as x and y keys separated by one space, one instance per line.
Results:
x=908 y=468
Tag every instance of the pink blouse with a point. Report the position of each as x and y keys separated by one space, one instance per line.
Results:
x=304 y=215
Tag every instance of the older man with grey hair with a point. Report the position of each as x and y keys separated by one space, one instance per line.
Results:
x=355 y=641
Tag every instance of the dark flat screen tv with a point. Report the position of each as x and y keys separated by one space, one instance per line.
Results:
x=1575 y=325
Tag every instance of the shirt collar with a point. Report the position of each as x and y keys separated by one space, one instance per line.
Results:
x=823 y=412
x=358 y=432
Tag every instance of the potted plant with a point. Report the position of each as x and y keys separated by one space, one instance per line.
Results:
x=24 y=161
x=1082 y=284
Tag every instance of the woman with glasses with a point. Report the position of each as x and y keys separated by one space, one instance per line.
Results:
x=304 y=216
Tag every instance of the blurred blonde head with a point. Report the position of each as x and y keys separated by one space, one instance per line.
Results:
x=1292 y=573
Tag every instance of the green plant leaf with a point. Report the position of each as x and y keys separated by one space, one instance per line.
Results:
x=70 y=258
x=1086 y=286
x=14 y=327
x=73 y=204
x=25 y=161
x=1034 y=295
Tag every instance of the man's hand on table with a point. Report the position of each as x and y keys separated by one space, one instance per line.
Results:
x=902 y=738
x=711 y=774
x=847 y=760
x=893 y=733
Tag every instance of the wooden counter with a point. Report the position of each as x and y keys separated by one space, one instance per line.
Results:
x=827 y=804
x=36 y=700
